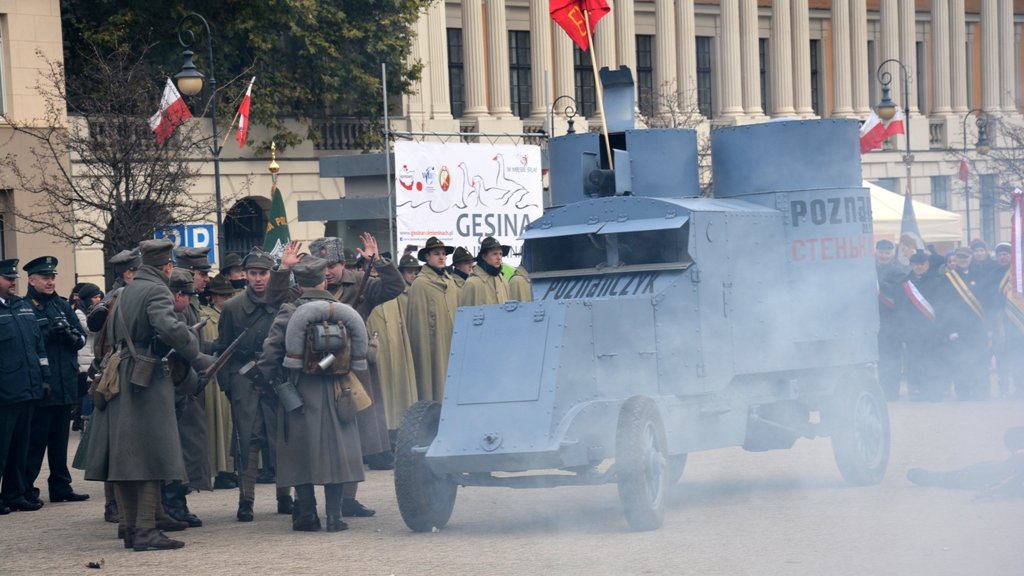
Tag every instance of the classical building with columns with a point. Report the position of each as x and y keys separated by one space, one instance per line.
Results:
x=495 y=66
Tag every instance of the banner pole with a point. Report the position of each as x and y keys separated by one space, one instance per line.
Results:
x=599 y=90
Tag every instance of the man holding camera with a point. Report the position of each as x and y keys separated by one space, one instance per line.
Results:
x=64 y=336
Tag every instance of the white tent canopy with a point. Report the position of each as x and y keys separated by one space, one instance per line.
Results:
x=936 y=225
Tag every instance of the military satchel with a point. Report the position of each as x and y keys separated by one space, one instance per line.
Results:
x=107 y=385
x=143 y=364
x=327 y=349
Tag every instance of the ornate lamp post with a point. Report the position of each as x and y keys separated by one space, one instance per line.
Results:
x=190 y=82
x=569 y=113
x=982 y=146
x=886 y=109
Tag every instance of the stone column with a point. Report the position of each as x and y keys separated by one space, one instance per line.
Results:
x=800 y=19
x=565 y=78
x=473 y=59
x=686 y=56
x=602 y=47
x=940 y=58
x=859 y=57
x=440 y=102
x=841 y=86
x=729 y=42
x=418 y=98
x=750 y=58
x=1007 y=61
x=958 y=59
x=665 y=48
x=625 y=33
x=781 y=56
x=497 y=59
x=908 y=49
x=890 y=17
x=540 y=58
x=989 y=35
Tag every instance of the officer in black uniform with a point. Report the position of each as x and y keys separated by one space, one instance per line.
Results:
x=64 y=337
x=23 y=373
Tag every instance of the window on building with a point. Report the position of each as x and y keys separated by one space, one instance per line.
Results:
x=245 y=226
x=456 y=72
x=3 y=78
x=519 y=72
x=987 y=203
x=3 y=230
x=762 y=56
x=921 y=71
x=645 y=74
x=705 y=103
x=815 y=77
x=940 y=192
x=586 y=95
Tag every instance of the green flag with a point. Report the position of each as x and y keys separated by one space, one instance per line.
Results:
x=277 y=227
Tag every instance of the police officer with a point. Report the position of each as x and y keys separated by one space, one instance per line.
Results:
x=486 y=284
x=24 y=372
x=253 y=411
x=64 y=337
x=318 y=444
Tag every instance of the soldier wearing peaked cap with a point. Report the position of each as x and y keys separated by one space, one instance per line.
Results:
x=64 y=337
x=433 y=299
x=134 y=441
x=24 y=372
x=248 y=317
x=486 y=284
x=349 y=287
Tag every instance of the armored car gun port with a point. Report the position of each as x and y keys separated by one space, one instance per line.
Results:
x=664 y=323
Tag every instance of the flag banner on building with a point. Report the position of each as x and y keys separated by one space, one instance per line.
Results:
x=1017 y=242
x=910 y=234
x=277 y=227
x=463 y=193
x=243 y=115
x=569 y=15
x=873 y=131
x=965 y=170
x=173 y=112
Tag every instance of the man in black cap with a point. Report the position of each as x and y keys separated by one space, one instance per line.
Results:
x=196 y=261
x=135 y=440
x=64 y=337
x=124 y=264
x=961 y=321
x=233 y=271
x=462 y=266
x=486 y=284
x=890 y=276
x=24 y=372
x=915 y=314
x=253 y=411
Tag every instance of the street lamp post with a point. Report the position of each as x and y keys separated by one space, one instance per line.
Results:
x=982 y=146
x=886 y=109
x=190 y=83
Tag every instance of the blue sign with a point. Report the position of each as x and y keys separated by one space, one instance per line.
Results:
x=191 y=236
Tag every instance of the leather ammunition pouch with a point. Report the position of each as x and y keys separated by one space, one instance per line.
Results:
x=143 y=368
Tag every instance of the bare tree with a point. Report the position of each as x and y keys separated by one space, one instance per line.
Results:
x=1005 y=159
x=669 y=107
x=97 y=175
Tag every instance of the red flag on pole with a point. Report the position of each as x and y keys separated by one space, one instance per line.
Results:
x=1017 y=242
x=569 y=15
x=965 y=170
x=243 y=115
x=173 y=112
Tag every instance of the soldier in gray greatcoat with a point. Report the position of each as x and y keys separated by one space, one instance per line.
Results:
x=253 y=411
x=134 y=441
x=345 y=285
x=317 y=444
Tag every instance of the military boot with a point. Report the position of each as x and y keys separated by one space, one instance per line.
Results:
x=304 y=517
x=127 y=535
x=110 y=512
x=244 y=510
x=285 y=505
x=153 y=539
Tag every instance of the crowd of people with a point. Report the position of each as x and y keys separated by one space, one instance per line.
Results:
x=295 y=370
x=944 y=321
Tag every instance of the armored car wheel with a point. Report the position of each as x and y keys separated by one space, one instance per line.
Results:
x=642 y=467
x=425 y=499
x=676 y=465
x=860 y=430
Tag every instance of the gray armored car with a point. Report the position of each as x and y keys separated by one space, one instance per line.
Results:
x=664 y=323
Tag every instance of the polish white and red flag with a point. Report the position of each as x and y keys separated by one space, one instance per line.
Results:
x=243 y=115
x=1017 y=241
x=173 y=112
x=873 y=132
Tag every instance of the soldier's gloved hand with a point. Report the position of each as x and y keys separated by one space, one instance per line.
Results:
x=202 y=362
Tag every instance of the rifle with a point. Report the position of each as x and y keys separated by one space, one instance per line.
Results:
x=366 y=279
x=226 y=355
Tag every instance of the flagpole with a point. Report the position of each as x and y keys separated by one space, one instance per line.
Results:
x=599 y=90
x=227 y=132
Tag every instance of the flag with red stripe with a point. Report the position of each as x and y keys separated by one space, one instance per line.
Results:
x=173 y=112
x=243 y=115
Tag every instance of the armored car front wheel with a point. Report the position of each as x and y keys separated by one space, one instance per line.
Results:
x=859 y=420
x=641 y=464
x=425 y=499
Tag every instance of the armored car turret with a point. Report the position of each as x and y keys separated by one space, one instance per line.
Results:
x=664 y=323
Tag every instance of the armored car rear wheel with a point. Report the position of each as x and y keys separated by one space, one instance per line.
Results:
x=425 y=499
x=860 y=430
x=676 y=465
x=641 y=464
